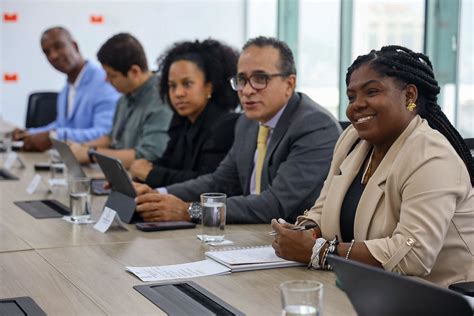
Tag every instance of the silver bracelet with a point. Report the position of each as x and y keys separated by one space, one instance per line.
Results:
x=318 y=245
x=350 y=248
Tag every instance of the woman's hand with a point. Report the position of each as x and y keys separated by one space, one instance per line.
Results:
x=291 y=244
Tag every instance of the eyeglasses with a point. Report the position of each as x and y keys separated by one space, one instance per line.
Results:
x=256 y=81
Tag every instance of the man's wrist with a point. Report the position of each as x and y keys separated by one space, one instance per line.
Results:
x=194 y=211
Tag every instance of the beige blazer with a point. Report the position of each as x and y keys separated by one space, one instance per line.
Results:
x=416 y=214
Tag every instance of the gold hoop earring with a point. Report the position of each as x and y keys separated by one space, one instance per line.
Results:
x=411 y=106
x=209 y=96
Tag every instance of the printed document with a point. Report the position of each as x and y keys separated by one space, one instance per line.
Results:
x=179 y=271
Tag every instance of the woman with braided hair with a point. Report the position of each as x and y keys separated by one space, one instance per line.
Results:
x=399 y=192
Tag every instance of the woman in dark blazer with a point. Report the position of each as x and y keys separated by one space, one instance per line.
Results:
x=195 y=82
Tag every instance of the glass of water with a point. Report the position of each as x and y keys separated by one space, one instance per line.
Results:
x=79 y=198
x=213 y=216
x=302 y=297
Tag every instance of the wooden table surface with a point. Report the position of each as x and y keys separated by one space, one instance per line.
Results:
x=74 y=269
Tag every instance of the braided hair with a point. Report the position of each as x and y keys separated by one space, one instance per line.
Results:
x=216 y=60
x=416 y=68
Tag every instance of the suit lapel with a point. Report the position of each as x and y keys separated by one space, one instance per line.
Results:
x=278 y=133
x=62 y=111
x=375 y=189
x=86 y=77
x=339 y=186
x=248 y=153
x=208 y=118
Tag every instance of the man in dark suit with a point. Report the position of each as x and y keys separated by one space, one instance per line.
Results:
x=283 y=175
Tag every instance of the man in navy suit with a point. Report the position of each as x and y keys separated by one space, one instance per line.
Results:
x=85 y=105
x=299 y=142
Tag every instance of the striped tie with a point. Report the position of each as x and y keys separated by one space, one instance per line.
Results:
x=262 y=137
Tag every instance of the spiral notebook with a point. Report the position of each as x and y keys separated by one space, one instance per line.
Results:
x=250 y=258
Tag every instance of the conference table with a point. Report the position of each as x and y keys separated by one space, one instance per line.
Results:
x=70 y=269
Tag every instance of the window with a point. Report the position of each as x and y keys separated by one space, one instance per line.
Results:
x=399 y=22
x=318 y=51
x=465 y=111
x=261 y=18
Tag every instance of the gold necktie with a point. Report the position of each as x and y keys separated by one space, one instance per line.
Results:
x=262 y=137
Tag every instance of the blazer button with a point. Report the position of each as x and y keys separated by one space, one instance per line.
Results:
x=410 y=242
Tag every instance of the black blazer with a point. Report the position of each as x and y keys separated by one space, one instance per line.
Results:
x=194 y=149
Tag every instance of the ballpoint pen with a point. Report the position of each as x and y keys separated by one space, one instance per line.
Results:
x=297 y=228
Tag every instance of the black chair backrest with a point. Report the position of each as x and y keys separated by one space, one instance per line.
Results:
x=469 y=142
x=344 y=124
x=41 y=109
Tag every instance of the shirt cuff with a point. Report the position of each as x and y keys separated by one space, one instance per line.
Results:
x=53 y=134
x=162 y=190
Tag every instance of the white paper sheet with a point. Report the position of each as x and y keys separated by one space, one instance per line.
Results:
x=224 y=242
x=33 y=184
x=179 y=271
x=10 y=160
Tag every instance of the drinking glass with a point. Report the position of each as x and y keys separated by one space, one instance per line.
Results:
x=79 y=198
x=213 y=216
x=301 y=297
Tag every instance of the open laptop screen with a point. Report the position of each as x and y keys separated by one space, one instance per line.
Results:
x=374 y=291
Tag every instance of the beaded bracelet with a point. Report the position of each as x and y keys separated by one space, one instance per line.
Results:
x=350 y=248
x=325 y=256
x=318 y=245
x=331 y=249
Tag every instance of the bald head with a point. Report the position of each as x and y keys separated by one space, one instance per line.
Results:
x=62 y=51
x=57 y=30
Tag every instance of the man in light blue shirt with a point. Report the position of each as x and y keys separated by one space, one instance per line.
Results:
x=85 y=105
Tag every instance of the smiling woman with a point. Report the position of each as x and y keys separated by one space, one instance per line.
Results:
x=194 y=80
x=399 y=192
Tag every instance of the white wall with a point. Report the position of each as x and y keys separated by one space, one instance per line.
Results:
x=156 y=23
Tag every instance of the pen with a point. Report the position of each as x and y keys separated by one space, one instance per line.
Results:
x=297 y=228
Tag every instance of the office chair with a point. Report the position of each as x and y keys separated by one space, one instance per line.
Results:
x=470 y=144
x=41 y=109
x=344 y=124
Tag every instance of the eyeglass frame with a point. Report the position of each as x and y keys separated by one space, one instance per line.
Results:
x=249 y=81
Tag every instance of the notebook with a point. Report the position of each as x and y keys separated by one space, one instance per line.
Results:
x=250 y=258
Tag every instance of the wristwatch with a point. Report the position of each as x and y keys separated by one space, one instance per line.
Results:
x=195 y=212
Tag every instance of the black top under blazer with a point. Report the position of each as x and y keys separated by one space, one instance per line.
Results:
x=194 y=149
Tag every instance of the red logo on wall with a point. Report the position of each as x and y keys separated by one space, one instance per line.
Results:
x=97 y=19
x=10 y=77
x=10 y=17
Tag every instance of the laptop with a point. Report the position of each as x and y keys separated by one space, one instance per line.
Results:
x=374 y=291
x=75 y=169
